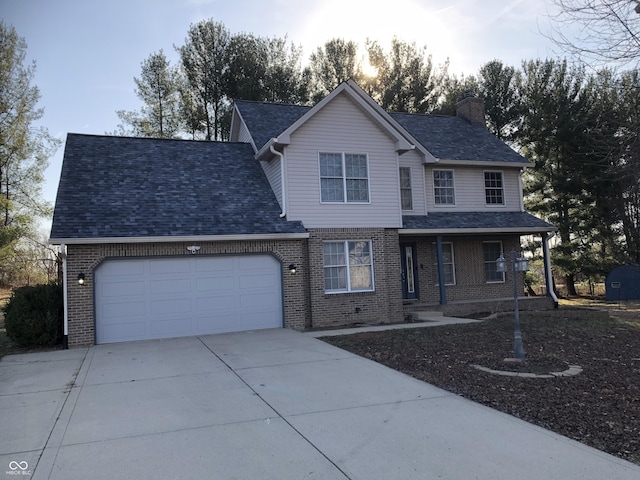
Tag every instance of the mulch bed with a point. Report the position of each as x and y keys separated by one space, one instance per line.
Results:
x=599 y=407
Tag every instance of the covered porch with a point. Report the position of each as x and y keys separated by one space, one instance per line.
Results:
x=462 y=249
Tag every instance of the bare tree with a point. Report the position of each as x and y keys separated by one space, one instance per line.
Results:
x=598 y=31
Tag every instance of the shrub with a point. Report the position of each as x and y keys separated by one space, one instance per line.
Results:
x=34 y=316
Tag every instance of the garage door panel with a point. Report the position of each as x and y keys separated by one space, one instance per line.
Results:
x=134 y=267
x=256 y=320
x=174 y=306
x=215 y=264
x=264 y=300
x=119 y=332
x=124 y=309
x=257 y=262
x=174 y=327
x=170 y=285
x=118 y=289
x=221 y=303
x=257 y=280
x=215 y=284
x=222 y=323
x=171 y=267
x=162 y=298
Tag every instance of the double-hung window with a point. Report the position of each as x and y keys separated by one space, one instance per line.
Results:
x=493 y=188
x=492 y=251
x=448 y=264
x=344 y=178
x=406 y=197
x=443 y=189
x=348 y=266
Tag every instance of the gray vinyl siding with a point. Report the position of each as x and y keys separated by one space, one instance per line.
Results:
x=272 y=171
x=413 y=160
x=243 y=134
x=341 y=126
x=469 y=190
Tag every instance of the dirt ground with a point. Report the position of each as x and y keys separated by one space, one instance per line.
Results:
x=599 y=407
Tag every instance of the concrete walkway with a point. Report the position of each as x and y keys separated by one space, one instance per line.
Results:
x=271 y=404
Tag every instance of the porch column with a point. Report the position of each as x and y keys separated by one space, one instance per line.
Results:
x=441 y=280
x=548 y=275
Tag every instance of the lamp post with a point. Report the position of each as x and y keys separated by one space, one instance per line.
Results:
x=518 y=264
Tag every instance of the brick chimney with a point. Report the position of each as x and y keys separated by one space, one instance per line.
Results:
x=471 y=108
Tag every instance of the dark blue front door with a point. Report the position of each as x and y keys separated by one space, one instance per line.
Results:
x=408 y=262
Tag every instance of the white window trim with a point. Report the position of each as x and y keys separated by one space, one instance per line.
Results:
x=453 y=265
x=484 y=263
x=344 y=180
x=484 y=190
x=349 y=289
x=410 y=188
x=453 y=179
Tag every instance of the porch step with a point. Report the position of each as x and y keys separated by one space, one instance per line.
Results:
x=424 y=316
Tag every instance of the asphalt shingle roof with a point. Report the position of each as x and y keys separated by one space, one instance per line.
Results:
x=135 y=187
x=472 y=220
x=453 y=138
x=446 y=137
x=268 y=120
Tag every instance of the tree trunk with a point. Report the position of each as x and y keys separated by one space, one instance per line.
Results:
x=569 y=281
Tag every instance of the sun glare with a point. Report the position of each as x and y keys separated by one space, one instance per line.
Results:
x=368 y=69
x=359 y=20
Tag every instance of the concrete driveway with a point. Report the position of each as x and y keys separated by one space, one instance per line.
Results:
x=271 y=404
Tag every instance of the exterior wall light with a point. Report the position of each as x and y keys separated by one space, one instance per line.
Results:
x=81 y=279
x=292 y=269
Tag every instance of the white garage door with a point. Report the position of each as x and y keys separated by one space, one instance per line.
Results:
x=139 y=299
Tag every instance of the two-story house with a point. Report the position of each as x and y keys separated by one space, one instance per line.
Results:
x=335 y=214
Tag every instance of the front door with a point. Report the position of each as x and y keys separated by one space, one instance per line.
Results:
x=409 y=271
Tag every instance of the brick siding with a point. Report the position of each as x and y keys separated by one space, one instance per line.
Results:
x=384 y=305
x=306 y=305
x=86 y=258
x=468 y=254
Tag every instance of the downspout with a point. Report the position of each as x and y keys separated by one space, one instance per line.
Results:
x=65 y=297
x=521 y=190
x=281 y=156
x=548 y=275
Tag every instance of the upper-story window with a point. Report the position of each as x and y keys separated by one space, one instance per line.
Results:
x=344 y=178
x=443 y=189
x=493 y=188
x=406 y=197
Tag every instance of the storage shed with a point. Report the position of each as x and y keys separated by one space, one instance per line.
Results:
x=623 y=283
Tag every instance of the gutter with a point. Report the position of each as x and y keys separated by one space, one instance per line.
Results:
x=463 y=231
x=284 y=198
x=177 y=239
x=483 y=163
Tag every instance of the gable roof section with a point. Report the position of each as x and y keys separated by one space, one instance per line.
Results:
x=453 y=138
x=145 y=189
x=268 y=120
x=473 y=222
x=269 y=131
x=440 y=138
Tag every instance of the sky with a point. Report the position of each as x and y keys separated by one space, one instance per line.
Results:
x=87 y=52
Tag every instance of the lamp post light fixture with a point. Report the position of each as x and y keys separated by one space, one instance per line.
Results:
x=518 y=264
